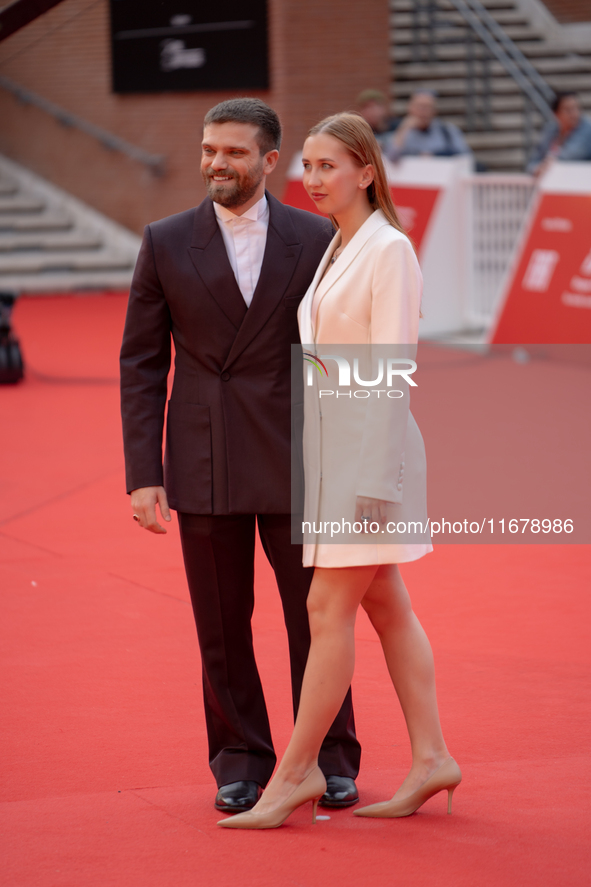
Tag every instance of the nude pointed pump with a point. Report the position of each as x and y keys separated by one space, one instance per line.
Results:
x=311 y=789
x=446 y=778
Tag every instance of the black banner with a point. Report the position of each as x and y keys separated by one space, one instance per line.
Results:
x=169 y=46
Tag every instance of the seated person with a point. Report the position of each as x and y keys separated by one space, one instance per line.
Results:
x=422 y=133
x=568 y=137
x=372 y=105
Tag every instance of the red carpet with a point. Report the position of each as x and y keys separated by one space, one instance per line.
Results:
x=105 y=776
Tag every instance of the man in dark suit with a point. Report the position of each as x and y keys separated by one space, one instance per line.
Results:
x=225 y=280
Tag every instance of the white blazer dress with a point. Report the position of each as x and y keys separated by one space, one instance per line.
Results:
x=371 y=295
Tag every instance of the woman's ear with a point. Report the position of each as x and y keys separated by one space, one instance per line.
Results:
x=367 y=177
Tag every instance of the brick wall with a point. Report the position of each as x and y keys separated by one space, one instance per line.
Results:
x=570 y=11
x=323 y=52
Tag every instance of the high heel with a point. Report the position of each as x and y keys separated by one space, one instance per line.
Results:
x=311 y=789
x=447 y=777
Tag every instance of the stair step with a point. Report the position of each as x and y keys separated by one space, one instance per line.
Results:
x=71 y=281
x=451 y=33
x=44 y=263
x=442 y=60
x=547 y=66
x=458 y=51
x=48 y=221
x=68 y=240
x=52 y=242
x=550 y=50
x=482 y=141
x=576 y=82
x=503 y=159
x=449 y=106
x=454 y=102
x=501 y=123
x=505 y=122
x=19 y=203
x=491 y=5
x=507 y=18
x=420 y=70
x=452 y=86
x=7 y=187
x=491 y=138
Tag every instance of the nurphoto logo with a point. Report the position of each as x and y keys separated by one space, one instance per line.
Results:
x=389 y=369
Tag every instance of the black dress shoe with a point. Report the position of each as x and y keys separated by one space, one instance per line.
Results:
x=237 y=797
x=341 y=791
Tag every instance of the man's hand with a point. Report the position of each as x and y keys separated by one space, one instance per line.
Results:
x=143 y=503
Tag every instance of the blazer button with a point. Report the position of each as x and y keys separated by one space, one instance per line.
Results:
x=226 y=376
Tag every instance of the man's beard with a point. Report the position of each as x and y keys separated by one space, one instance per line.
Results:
x=244 y=186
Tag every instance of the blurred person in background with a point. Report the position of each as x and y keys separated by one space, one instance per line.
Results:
x=568 y=137
x=372 y=105
x=422 y=133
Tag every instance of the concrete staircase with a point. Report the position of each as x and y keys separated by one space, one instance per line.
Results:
x=52 y=242
x=443 y=65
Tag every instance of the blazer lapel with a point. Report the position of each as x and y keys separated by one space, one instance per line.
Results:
x=209 y=256
x=305 y=309
x=282 y=252
x=370 y=226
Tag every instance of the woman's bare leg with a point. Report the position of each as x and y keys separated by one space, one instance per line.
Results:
x=334 y=598
x=410 y=662
x=333 y=602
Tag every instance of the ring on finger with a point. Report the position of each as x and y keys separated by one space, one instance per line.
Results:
x=136 y=518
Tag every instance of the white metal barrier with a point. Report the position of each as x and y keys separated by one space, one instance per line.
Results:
x=467 y=228
x=497 y=208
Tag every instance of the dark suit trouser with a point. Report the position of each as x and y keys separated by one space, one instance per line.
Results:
x=219 y=561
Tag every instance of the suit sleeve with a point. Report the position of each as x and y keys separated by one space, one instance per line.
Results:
x=395 y=307
x=145 y=363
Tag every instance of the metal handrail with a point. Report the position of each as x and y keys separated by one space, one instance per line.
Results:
x=475 y=15
x=512 y=49
x=154 y=162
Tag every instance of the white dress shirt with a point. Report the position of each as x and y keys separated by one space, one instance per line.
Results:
x=245 y=238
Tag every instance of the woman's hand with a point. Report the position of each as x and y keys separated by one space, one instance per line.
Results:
x=372 y=511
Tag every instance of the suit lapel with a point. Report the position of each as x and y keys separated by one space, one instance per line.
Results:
x=209 y=256
x=282 y=252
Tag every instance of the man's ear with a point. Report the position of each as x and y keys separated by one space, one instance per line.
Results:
x=270 y=161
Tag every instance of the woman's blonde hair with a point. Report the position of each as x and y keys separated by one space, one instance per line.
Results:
x=357 y=136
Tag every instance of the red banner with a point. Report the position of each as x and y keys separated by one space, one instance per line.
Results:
x=414 y=205
x=549 y=296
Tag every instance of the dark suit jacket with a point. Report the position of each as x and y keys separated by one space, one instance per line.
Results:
x=228 y=421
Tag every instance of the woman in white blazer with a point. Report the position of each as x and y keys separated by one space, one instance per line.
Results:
x=367 y=449
x=367 y=292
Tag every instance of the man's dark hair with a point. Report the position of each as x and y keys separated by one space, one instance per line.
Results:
x=252 y=111
x=559 y=97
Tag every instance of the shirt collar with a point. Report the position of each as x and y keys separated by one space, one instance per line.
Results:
x=255 y=212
